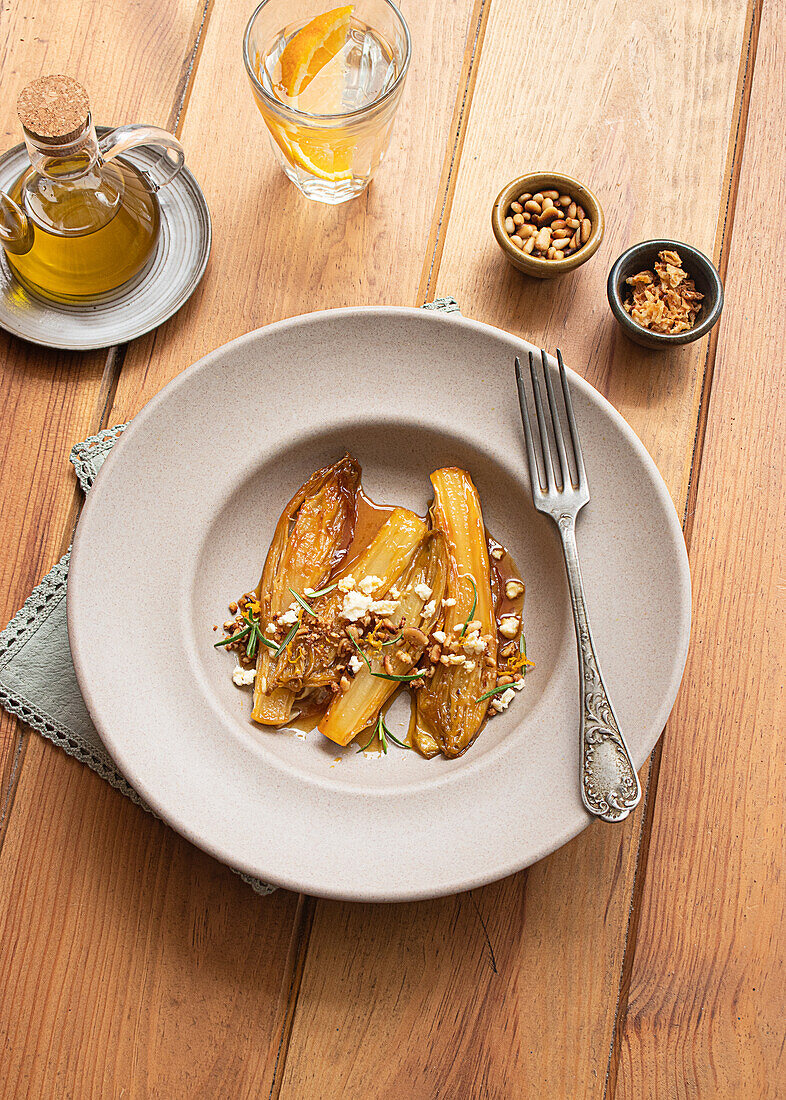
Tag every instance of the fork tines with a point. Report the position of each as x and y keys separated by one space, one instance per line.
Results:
x=564 y=481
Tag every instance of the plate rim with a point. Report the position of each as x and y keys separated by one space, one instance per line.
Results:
x=174 y=819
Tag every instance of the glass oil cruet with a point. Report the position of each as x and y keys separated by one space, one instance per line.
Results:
x=81 y=221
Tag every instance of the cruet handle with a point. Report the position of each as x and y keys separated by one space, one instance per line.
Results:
x=129 y=137
x=16 y=232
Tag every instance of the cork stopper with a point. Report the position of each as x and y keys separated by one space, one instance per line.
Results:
x=53 y=109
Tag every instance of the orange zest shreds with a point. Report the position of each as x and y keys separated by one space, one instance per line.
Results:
x=518 y=663
x=373 y=640
x=308 y=51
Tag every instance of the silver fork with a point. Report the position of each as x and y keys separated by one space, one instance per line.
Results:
x=609 y=784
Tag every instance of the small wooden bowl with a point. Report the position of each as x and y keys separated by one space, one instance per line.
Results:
x=642 y=257
x=547 y=181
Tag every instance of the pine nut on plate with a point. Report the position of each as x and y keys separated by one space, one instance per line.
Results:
x=547 y=224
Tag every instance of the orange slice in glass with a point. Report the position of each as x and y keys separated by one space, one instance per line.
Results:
x=312 y=47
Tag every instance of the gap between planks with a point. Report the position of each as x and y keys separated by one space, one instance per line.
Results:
x=113 y=367
x=723 y=239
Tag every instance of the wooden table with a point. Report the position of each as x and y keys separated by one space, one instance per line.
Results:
x=638 y=961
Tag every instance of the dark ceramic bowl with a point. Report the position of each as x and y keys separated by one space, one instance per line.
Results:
x=642 y=257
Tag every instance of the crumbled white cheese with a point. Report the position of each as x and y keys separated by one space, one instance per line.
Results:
x=423 y=591
x=355 y=606
x=384 y=607
x=503 y=701
x=509 y=627
x=355 y=664
x=346 y=584
x=270 y=629
x=518 y=684
x=458 y=628
x=469 y=665
x=449 y=602
x=370 y=584
x=429 y=609
x=452 y=659
x=497 y=552
x=394 y=593
x=439 y=636
x=243 y=676
x=474 y=644
x=288 y=617
x=476 y=624
x=514 y=588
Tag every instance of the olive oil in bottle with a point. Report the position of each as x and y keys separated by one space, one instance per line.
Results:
x=81 y=221
x=86 y=239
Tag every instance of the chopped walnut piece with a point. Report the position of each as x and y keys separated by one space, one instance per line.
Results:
x=669 y=304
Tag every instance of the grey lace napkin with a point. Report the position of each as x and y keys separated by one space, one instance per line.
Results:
x=37 y=679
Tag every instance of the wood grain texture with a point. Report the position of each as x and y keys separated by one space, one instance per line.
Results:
x=656 y=88
x=275 y=254
x=132 y=965
x=404 y=998
x=706 y=1012
x=109 y=925
x=52 y=399
x=181 y=979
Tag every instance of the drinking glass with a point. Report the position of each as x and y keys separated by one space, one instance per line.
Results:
x=331 y=137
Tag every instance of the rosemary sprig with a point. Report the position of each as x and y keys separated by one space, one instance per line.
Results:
x=392 y=641
x=288 y=639
x=494 y=691
x=256 y=636
x=371 y=738
x=322 y=591
x=395 y=740
x=232 y=638
x=383 y=733
x=251 y=632
x=386 y=675
x=523 y=652
x=306 y=607
x=471 y=615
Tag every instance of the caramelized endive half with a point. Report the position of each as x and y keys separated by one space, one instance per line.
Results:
x=387 y=556
x=450 y=710
x=313 y=532
x=360 y=704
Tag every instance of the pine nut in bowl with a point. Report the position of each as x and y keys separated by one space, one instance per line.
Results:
x=547 y=224
x=664 y=293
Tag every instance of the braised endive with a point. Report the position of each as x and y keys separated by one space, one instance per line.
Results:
x=452 y=705
x=386 y=667
x=314 y=530
x=357 y=601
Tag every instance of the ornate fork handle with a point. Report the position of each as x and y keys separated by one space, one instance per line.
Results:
x=609 y=784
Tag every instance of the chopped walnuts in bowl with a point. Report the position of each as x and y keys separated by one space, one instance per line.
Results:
x=664 y=300
x=664 y=293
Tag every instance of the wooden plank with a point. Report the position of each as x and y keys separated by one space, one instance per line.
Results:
x=191 y=978
x=404 y=999
x=132 y=965
x=51 y=399
x=275 y=254
x=705 y=1013
x=72 y=899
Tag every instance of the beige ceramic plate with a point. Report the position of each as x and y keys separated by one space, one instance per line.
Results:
x=179 y=522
